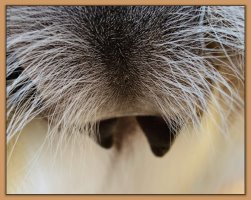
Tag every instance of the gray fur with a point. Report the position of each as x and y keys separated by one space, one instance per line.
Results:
x=89 y=63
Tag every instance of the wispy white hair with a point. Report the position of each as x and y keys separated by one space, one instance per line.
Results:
x=199 y=54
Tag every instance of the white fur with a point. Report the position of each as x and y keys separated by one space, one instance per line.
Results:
x=206 y=163
x=203 y=159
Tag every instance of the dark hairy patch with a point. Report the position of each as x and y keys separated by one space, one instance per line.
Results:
x=123 y=39
x=15 y=74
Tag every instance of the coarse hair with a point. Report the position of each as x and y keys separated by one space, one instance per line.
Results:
x=75 y=66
